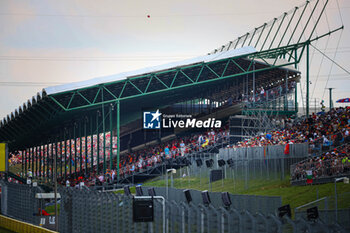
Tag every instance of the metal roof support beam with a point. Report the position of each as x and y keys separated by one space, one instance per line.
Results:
x=308 y=20
x=296 y=26
x=134 y=86
x=290 y=21
x=82 y=96
x=71 y=99
x=98 y=92
x=246 y=37
x=239 y=38
x=262 y=31
x=104 y=87
x=251 y=38
x=278 y=29
x=272 y=53
x=174 y=78
x=318 y=20
x=268 y=34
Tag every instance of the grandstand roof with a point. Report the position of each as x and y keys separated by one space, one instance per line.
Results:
x=112 y=78
x=152 y=87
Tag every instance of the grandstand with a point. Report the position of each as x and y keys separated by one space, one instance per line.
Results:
x=93 y=132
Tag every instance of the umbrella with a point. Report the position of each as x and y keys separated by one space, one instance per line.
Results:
x=346 y=100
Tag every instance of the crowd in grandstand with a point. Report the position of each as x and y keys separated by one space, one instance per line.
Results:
x=153 y=155
x=332 y=163
x=322 y=131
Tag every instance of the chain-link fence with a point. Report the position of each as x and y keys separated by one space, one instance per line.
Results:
x=250 y=163
x=328 y=210
x=251 y=203
x=18 y=201
x=85 y=210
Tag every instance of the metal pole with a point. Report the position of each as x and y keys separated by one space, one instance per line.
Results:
x=296 y=91
x=65 y=155
x=81 y=148
x=86 y=149
x=254 y=82
x=104 y=136
x=118 y=138
x=336 y=200
x=55 y=180
x=61 y=157
x=70 y=153
x=110 y=137
x=285 y=94
x=47 y=160
x=330 y=98
x=75 y=149
x=167 y=188
x=98 y=143
x=307 y=76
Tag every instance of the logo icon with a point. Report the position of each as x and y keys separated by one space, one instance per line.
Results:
x=151 y=120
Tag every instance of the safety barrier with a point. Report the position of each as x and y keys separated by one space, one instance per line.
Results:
x=18 y=226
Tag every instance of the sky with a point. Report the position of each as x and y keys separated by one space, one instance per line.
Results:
x=46 y=42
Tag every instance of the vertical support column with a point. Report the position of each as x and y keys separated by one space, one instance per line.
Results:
x=118 y=138
x=25 y=157
x=307 y=76
x=285 y=93
x=61 y=155
x=254 y=82
x=54 y=168
x=296 y=98
x=85 y=145
x=40 y=161
x=91 y=146
x=22 y=164
x=65 y=153
x=37 y=161
x=104 y=137
x=111 y=108
x=52 y=159
x=34 y=162
x=330 y=98
x=32 y=158
x=80 y=147
x=70 y=152
x=75 y=148
x=47 y=146
x=296 y=84
x=98 y=143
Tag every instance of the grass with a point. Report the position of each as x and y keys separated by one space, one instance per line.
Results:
x=293 y=195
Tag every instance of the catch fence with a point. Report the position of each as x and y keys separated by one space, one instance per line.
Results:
x=84 y=210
